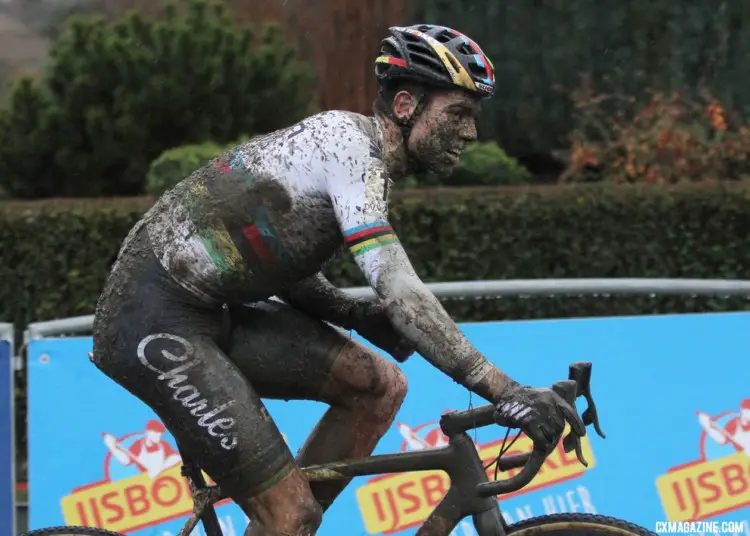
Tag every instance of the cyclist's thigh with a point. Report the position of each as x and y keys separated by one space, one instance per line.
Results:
x=153 y=342
x=288 y=354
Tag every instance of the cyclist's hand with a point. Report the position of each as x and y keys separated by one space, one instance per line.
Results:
x=370 y=321
x=540 y=413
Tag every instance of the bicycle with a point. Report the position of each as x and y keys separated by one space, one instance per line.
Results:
x=471 y=493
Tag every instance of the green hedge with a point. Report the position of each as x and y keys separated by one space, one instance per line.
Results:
x=56 y=253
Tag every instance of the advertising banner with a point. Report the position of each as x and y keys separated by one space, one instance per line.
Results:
x=7 y=463
x=672 y=394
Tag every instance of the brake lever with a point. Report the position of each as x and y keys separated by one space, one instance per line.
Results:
x=581 y=373
x=568 y=390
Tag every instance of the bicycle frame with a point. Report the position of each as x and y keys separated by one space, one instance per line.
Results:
x=459 y=459
x=470 y=492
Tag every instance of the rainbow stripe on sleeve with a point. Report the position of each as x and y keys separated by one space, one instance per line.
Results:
x=364 y=238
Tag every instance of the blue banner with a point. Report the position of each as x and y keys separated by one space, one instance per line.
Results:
x=672 y=394
x=7 y=463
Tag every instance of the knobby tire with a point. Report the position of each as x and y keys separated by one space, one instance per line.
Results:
x=71 y=531
x=576 y=525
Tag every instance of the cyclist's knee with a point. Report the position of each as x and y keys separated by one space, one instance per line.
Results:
x=390 y=385
x=396 y=386
x=370 y=381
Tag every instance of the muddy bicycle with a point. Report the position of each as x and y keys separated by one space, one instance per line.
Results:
x=471 y=493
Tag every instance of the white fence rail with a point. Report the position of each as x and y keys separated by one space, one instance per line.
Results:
x=492 y=289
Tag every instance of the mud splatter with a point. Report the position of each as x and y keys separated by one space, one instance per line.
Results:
x=447 y=124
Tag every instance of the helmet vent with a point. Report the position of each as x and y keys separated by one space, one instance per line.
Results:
x=409 y=38
x=445 y=36
x=389 y=49
x=426 y=61
x=419 y=48
x=476 y=69
x=456 y=65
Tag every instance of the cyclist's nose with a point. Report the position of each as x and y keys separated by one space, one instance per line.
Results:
x=468 y=131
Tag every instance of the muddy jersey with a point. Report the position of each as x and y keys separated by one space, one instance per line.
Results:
x=273 y=210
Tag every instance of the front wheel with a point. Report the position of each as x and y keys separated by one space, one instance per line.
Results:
x=576 y=525
x=70 y=531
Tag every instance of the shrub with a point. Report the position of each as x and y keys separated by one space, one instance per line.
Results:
x=626 y=47
x=175 y=164
x=487 y=164
x=672 y=138
x=117 y=94
x=482 y=164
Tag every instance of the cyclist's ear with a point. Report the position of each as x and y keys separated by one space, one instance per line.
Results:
x=404 y=105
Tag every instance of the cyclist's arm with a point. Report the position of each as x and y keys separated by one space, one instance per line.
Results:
x=356 y=192
x=319 y=297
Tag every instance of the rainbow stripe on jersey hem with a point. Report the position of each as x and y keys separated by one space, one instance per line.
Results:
x=364 y=238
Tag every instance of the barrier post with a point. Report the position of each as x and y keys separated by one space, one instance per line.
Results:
x=7 y=432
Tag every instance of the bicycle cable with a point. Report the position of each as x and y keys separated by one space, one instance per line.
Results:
x=502 y=451
x=503 y=448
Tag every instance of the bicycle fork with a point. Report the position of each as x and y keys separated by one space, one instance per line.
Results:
x=465 y=471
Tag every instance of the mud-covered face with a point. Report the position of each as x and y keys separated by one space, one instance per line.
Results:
x=443 y=129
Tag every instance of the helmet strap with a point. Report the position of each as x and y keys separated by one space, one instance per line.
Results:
x=406 y=125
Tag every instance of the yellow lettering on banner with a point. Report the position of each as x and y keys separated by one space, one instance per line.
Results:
x=706 y=489
x=129 y=504
x=396 y=502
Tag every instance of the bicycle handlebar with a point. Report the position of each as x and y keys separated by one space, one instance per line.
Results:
x=577 y=384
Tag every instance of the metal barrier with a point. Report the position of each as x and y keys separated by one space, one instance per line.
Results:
x=491 y=289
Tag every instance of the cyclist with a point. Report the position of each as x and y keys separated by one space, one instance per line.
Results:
x=217 y=300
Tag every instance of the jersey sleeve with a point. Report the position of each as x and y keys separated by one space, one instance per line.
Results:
x=360 y=208
x=357 y=185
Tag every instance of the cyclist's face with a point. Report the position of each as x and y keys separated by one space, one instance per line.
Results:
x=442 y=131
